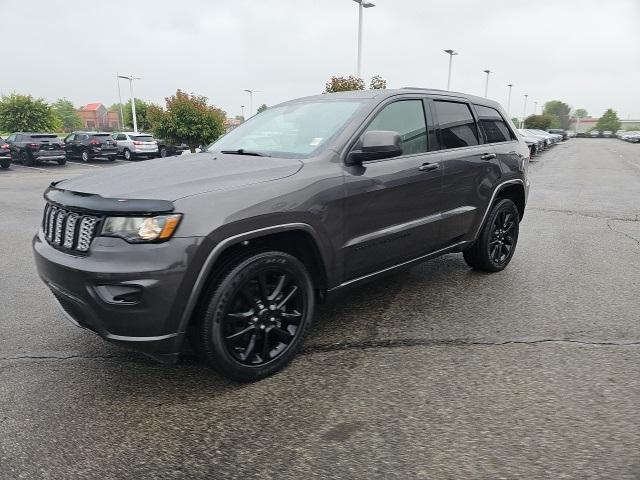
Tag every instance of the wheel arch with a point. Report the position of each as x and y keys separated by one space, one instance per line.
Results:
x=514 y=192
x=297 y=239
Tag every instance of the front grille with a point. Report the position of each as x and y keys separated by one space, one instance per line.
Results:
x=69 y=230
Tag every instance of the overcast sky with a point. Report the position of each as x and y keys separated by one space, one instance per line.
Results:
x=584 y=52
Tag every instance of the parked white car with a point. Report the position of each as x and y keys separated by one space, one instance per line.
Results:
x=136 y=145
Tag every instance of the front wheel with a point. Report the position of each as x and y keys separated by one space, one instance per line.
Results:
x=111 y=158
x=62 y=161
x=257 y=314
x=497 y=241
x=4 y=164
x=26 y=159
x=84 y=156
x=163 y=152
x=127 y=154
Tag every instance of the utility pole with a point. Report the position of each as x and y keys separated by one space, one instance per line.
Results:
x=524 y=110
x=131 y=78
x=486 y=83
x=362 y=4
x=451 y=54
x=509 y=99
x=121 y=122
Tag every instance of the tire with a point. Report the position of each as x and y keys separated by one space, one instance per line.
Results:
x=496 y=244
x=26 y=159
x=112 y=158
x=84 y=156
x=255 y=315
x=4 y=164
x=126 y=154
x=163 y=152
x=62 y=161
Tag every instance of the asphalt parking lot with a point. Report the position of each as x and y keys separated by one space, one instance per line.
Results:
x=437 y=372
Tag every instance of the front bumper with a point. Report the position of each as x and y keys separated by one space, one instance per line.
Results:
x=85 y=287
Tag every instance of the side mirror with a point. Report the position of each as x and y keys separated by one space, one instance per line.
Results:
x=376 y=145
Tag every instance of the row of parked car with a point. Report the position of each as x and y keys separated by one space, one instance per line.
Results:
x=539 y=140
x=31 y=148
x=632 y=136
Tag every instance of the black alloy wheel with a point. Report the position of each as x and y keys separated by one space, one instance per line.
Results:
x=258 y=313
x=26 y=159
x=493 y=249
x=502 y=237
x=5 y=164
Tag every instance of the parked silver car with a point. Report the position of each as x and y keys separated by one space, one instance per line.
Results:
x=135 y=145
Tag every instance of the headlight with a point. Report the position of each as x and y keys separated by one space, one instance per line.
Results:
x=141 y=229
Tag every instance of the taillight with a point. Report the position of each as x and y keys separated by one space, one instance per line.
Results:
x=137 y=143
x=94 y=142
x=33 y=145
x=6 y=145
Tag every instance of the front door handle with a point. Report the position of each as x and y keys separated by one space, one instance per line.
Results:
x=488 y=156
x=427 y=167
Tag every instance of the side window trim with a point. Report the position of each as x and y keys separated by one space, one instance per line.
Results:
x=374 y=113
x=464 y=101
x=512 y=134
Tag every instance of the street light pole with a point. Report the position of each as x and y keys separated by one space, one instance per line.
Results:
x=535 y=108
x=250 y=92
x=242 y=109
x=362 y=4
x=524 y=110
x=486 y=83
x=131 y=78
x=509 y=99
x=121 y=122
x=451 y=54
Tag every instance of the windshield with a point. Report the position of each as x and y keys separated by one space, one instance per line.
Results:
x=294 y=130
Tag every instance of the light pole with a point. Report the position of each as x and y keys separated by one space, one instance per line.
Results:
x=362 y=4
x=509 y=99
x=486 y=83
x=535 y=108
x=131 y=78
x=250 y=92
x=451 y=54
x=242 y=109
x=121 y=122
x=524 y=110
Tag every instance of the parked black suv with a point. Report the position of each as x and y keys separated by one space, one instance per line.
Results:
x=31 y=148
x=88 y=146
x=5 y=154
x=168 y=149
x=232 y=247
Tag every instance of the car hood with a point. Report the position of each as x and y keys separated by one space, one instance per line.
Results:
x=177 y=177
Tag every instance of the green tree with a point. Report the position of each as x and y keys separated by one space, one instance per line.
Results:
x=560 y=110
x=516 y=122
x=188 y=118
x=141 y=115
x=23 y=113
x=377 y=83
x=66 y=114
x=580 y=113
x=240 y=117
x=609 y=122
x=540 y=122
x=343 y=84
x=262 y=108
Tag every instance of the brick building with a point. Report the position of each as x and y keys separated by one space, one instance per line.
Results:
x=95 y=116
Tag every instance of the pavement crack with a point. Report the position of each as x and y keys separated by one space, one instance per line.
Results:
x=627 y=218
x=401 y=343
x=60 y=357
x=613 y=229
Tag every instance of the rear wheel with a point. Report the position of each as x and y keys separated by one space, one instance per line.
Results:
x=5 y=164
x=257 y=314
x=112 y=158
x=497 y=241
x=127 y=154
x=163 y=152
x=84 y=156
x=62 y=161
x=26 y=159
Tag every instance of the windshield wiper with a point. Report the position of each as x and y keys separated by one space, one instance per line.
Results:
x=242 y=151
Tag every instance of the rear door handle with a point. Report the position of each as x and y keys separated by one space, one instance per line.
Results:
x=427 y=167
x=488 y=156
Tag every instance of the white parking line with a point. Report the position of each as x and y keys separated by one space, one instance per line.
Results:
x=85 y=164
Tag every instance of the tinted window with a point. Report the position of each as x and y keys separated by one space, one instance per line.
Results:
x=100 y=135
x=121 y=136
x=457 y=126
x=83 y=136
x=407 y=118
x=493 y=125
x=142 y=138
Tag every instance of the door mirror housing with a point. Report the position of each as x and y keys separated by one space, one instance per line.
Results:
x=376 y=145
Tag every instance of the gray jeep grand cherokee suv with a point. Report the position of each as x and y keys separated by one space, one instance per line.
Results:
x=232 y=247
